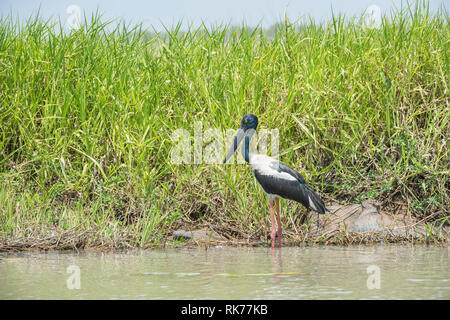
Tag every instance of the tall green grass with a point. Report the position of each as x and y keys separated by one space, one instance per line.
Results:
x=86 y=119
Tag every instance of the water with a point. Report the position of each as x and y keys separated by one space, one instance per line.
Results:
x=386 y=272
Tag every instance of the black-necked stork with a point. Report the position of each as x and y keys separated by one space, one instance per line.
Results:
x=275 y=178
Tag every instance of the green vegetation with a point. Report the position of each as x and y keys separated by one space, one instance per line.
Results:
x=86 y=119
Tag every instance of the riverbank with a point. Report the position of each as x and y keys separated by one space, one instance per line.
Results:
x=87 y=123
x=343 y=225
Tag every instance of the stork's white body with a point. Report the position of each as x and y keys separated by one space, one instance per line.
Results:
x=264 y=165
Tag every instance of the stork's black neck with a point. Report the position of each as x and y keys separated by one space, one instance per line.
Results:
x=246 y=146
x=246 y=149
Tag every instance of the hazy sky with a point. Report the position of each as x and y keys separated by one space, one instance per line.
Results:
x=167 y=12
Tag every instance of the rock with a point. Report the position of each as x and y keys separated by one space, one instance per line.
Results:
x=198 y=235
x=366 y=218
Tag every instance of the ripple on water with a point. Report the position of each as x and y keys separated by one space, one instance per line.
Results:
x=232 y=273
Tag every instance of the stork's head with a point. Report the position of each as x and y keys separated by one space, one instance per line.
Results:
x=248 y=126
x=249 y=121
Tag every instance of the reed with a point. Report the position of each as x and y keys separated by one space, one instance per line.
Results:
x=86 y=119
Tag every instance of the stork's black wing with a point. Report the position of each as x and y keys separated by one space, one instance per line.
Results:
x=284 y=168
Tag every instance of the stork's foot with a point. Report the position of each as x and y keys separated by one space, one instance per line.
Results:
x=276 y=235
x=279 y=236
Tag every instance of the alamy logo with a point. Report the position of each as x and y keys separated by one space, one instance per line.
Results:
x=372 y=16
x=74 y=19
x=74 y=280
x=374 y=279
x=208 y=146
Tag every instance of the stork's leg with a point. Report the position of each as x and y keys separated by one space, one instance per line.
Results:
x=279 y=232
x=272 y=219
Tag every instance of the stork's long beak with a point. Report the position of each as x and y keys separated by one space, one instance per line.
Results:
x=237 y=140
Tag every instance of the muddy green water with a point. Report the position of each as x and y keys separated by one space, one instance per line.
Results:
x=386 y=272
